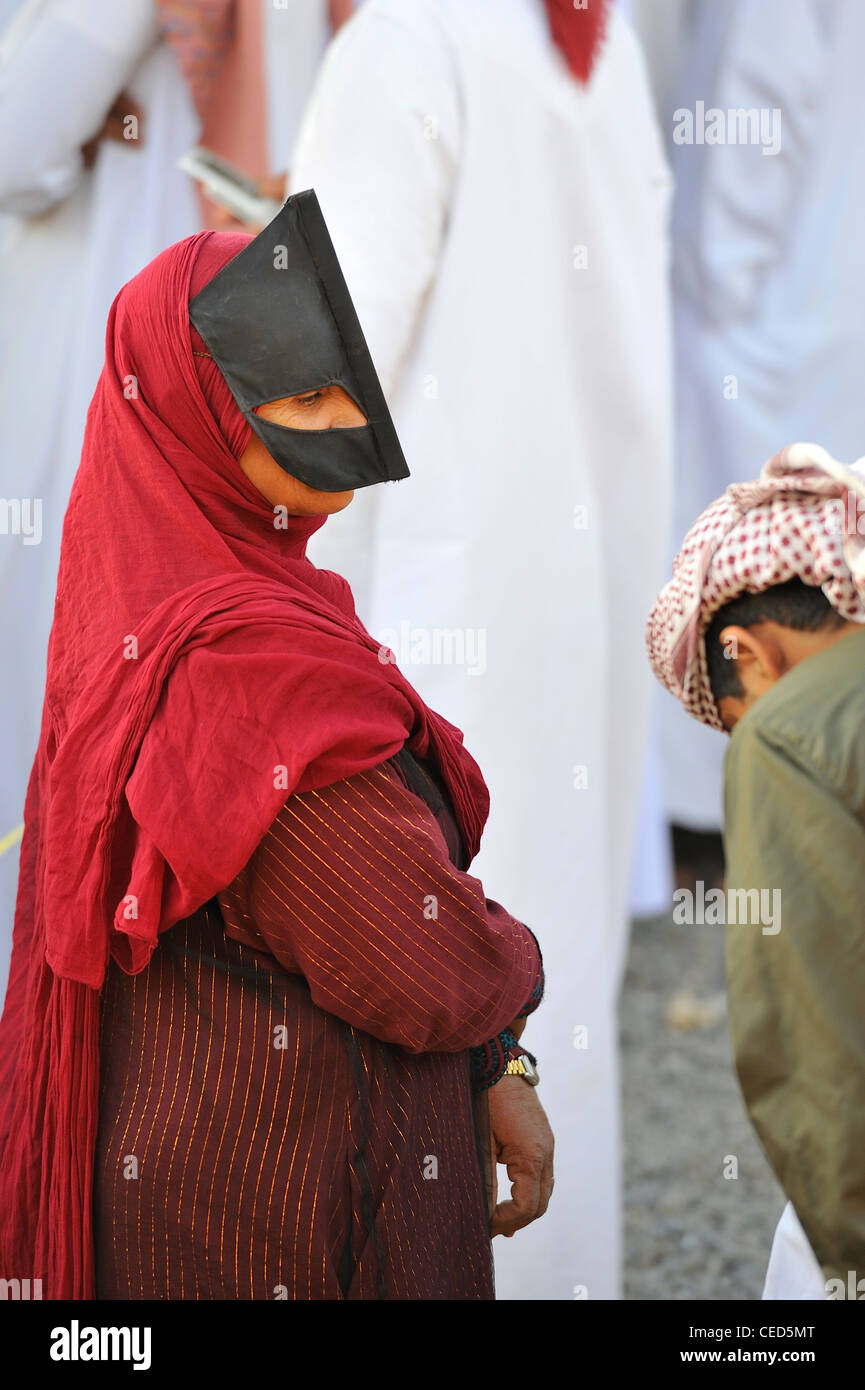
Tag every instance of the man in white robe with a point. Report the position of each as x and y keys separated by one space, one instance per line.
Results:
x=72 y=235
x=769 y=263
x=503 y=232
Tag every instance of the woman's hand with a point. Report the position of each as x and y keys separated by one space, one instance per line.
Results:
x=521 y=1138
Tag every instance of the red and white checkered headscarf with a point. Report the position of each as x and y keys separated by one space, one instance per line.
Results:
x=803 y=517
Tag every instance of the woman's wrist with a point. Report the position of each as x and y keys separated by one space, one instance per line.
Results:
x=489 y=1062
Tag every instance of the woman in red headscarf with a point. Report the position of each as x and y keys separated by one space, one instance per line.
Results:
x=244 y=1049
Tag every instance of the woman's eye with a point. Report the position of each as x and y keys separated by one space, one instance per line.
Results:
x=311 y=399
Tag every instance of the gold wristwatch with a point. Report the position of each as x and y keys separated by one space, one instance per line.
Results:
x=523 y=1066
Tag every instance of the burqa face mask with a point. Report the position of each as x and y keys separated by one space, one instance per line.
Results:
x=278 y=321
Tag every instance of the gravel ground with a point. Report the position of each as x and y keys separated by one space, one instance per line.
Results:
x=690 y=1233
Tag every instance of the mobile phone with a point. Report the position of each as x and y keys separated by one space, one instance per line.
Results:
x=228 y=186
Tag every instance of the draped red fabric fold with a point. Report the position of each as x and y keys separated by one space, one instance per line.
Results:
x=200 y=671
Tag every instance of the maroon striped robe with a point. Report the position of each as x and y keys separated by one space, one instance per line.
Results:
x=286 y=1108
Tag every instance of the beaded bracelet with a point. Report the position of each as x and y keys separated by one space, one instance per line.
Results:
x=534 y=998
x=490 y=1060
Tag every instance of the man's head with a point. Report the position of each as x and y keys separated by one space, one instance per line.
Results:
x=769 y=574
x=755 y=639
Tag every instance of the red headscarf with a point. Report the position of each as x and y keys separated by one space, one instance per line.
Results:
x=200 y=670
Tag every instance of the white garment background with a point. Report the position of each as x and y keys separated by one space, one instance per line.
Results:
x=294 y=37
x=769 y=267
x=71 y=238
x=460 y=168
x=793 y=1272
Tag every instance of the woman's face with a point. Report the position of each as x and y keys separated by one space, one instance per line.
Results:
x=327 y=408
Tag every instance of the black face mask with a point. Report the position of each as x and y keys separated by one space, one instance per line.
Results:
x=278 y=321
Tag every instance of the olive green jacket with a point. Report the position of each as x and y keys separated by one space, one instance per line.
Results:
x=795 y=821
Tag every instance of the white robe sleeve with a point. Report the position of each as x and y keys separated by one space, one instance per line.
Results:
x=380 y=146
x=63 y=63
